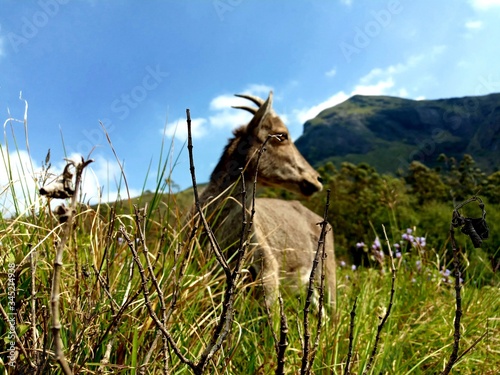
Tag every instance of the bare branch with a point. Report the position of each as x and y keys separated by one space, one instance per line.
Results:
x=139 y=217
x=66 y=234
x=145 y=292
x=227 y=315
x=211 y=237
x=477 y=230
x=322 y=281
x=283 y=343
x=351 y=337
x=34 y=331
x=307 y=358
x=458 y=310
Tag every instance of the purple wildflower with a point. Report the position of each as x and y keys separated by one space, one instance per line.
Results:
x=408 y=237
x=420 y=241
x=446 y=272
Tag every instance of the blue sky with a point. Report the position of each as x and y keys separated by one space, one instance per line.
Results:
x=137 y=65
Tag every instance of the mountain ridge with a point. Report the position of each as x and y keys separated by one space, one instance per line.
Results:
x=390 y=132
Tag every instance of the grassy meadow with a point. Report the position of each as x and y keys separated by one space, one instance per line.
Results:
x=107 y=300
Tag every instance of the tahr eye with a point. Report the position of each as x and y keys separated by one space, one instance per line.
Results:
x=283 y=137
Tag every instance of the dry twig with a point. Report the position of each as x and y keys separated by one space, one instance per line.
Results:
x=34 y=331
x=283 y=342
x=351 y=337
x=477 y=230
x=223 y=328
x=62 y=188
x=308 y=355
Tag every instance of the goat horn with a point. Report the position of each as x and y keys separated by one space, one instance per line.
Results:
x=253 y=111
x=252 y=98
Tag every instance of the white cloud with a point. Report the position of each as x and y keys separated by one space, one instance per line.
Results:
x=392 y=70
x=103 y=181
x=223 y=115
x=474 y=25
x=377 y=82
x=331 y=73
x=308 y=113
x=227 y=117
x=438 y=50
x=178 y=129
x=17 y=182
x=258 y=89
x=2 y=47
x=100 y=181
x=230 y=118
x=221 y=102
x=485 y=4
x=378 y=88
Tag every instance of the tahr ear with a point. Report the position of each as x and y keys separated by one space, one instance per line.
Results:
x=257 y=120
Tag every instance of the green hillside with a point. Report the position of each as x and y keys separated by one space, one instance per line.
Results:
x=389 y=133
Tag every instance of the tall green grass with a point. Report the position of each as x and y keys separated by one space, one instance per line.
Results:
x=106 y=327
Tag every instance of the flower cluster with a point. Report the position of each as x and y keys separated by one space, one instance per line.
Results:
x=377 y=251
x=397 y=252
x=408 y=241
x=409 y=238
x=445 y=273
x=344 y=264
x=410 y=251
x=446 y=276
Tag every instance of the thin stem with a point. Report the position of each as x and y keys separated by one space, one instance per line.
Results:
x=34 y=331
x=159 y=291
x=145 y=292
x=458 y=310
x=306 y=357
x=322 y=241
x=283 y=342
x=58 y=263
x=386 y=315
x=351 y=337
x=211 y=237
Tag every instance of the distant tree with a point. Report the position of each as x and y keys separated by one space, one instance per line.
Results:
x=327 y=172
x=359 y=196
x=425 y=184
x=491 y=189
x=464 y=178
